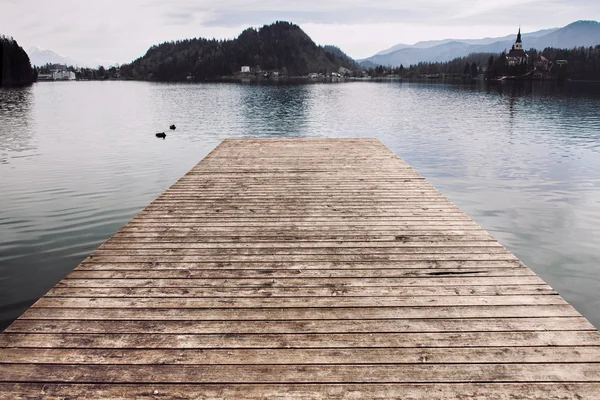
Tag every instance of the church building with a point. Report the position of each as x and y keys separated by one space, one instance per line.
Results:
x=516 y=55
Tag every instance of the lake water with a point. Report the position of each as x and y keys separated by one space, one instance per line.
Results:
x=80 y=159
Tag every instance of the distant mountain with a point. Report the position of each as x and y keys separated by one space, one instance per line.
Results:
x=366 y=64
x=394 y=48
x=433 y=43
x=282 y=46
x=15 y=68
x=577 y=34
x=580 y=33
x=410 y=56
x=40 y=57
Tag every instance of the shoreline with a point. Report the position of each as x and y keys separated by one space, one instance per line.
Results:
x=311 y=80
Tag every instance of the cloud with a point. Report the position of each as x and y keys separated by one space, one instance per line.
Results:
x=359 y=15
x=179 y=18
x=123 y=30
x=352 y=16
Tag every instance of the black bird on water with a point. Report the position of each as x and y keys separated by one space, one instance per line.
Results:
x=161 y=135
x=173 y=127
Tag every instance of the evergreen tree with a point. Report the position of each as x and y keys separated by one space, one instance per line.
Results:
x=474 y=70
x=582 y=63
x=15 y=67
x=281 y=47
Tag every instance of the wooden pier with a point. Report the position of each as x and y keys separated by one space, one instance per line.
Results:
x=301 y=269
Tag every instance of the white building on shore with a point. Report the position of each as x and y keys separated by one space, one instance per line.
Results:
x=58 y=73
x=63 y=76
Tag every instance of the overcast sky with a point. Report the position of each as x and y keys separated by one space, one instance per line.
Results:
x=111 y=31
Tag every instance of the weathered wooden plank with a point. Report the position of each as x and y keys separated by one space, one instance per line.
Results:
x=356 y=182
x=387 y=253
x=187 y=248
x=291 y=187
x=273 y=258
x=294 y=214
x=259 y=215
x=158 y=237
x=399 y=373
x=306 y=313
x=294 y=302
x=184 y=271
x=387 y=171
x=285 y=208
x=408 y=179
x=308 y=225
x=388 y=247
x=265 y=192
x=359 y=268
x=284 y=284
x=301 y=326
x=487 y=355
x=301 y=340
x=224 y=201
x=384 y=172
x=308 y=232
x=332 y=197
x=147 y=391
x=287 y=292
x=342 y=171
x=323 y=188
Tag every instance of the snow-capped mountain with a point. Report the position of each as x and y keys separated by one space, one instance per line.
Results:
x=39 y=56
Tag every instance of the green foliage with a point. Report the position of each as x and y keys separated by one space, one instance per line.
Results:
x=337 y=52
x=458 y=67
x=15 y=67
x=474 y=70
x=583 y=63
x=467 y=69
x=281 y=47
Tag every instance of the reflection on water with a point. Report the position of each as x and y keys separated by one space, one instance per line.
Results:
x=78 y=160
x=274 y=110
x=15 y=137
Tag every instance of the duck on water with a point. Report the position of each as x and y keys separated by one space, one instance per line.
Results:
x=164 y=135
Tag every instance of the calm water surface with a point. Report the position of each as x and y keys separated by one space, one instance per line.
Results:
x=78 y=160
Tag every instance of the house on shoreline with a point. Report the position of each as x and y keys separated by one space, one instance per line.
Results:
x=58 y=72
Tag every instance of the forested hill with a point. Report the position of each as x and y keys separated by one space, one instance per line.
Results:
x=343 y=56
x=15 y=68
x=281 y=47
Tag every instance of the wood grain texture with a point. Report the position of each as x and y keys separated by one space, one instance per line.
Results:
x=301 y=269
x=438 y=391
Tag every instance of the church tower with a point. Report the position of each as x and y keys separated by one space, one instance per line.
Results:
x=519 y=42
x=516 y=55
